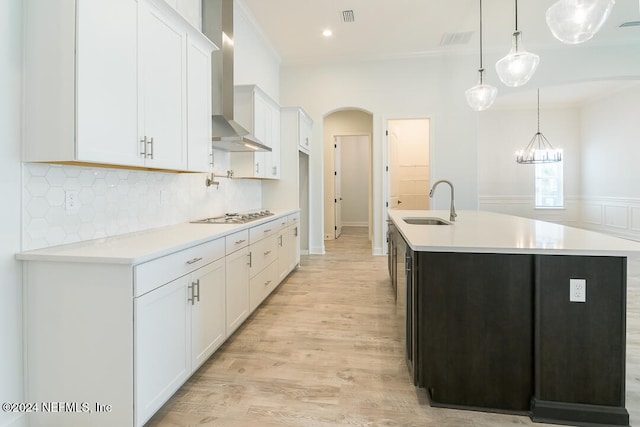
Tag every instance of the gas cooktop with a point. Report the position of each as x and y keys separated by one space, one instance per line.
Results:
x=234 y=218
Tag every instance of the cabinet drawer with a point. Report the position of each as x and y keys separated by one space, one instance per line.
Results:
x=282 y=223
x=263 y=253
x=154 y=273
x=236 y=241
x=263 y=230
x=262 y=285
x=294 y=219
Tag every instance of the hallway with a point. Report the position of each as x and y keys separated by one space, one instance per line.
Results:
x=325 y=350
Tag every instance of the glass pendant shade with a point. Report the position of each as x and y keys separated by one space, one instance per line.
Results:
x=518 y=66
x=576 y=21
x=481 y=96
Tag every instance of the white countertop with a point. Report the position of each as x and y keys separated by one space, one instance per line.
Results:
x=488 y=232
x=142 y=246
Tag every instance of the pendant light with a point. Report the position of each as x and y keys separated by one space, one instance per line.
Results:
x=481 y=96
x=518 y=66
x=576 y=21
x=539 y=149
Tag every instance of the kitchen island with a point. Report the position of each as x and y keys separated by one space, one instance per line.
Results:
x=514 y=315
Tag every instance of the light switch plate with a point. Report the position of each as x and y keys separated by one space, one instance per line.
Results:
x=577 y=290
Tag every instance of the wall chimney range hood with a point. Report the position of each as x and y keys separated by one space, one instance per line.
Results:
x=228 y=135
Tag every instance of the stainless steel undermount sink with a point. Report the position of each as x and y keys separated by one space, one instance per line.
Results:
x=426 y=221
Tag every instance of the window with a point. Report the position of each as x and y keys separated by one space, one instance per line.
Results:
x=549 y=185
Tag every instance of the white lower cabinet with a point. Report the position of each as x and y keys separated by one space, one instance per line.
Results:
x=208 y=312
x=162 y=356
x=262 y=284
x=105 y=332
x=289 y=247
x=237 y=288
x=177 y=327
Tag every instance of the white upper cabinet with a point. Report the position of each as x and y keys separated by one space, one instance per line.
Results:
x=200 y=150
x=81 y=105
x=260 y=115
x=305 y=127
x=163 y=90
x=106 y=83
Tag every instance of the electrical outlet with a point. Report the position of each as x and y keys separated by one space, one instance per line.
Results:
x=577 y=290
x=71 y=200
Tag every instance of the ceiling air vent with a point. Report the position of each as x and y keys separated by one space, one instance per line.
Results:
x=347 y=16
x=450 y=39
x=630 y=24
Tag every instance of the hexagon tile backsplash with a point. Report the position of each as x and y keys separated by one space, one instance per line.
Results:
x=67 y=204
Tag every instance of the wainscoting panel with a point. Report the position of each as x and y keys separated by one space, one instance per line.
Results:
x=635 y=218
x=524 y=206
x=615 y=216
x=619 y=216
x=592 y=213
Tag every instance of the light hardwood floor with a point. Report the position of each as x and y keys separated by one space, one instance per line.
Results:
x=325 y=350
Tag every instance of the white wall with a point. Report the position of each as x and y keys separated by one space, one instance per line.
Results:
x=508 y=187
x=11 y=367
x=610 y=130
x=355 y=169
x=421 y=87
x=611 y=148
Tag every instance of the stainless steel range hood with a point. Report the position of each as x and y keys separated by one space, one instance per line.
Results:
x=217 y=25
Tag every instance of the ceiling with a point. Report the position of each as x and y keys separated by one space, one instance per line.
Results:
x=395 y=28
x=388 y=29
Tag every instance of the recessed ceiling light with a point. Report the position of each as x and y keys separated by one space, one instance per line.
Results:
x=327 y=33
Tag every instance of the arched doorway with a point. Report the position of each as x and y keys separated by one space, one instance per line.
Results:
x=348 y=184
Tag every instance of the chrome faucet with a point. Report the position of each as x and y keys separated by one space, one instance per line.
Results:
x=452 y=213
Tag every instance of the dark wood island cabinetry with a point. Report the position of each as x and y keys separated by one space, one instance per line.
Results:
x=497 y=328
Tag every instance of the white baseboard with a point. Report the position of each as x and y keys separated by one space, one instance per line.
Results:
x=355 y=224
x=318 y=250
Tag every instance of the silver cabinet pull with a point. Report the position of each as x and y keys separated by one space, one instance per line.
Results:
x=267 y=230
x=150 y=153
x=143 y=147
x=267 y=283
x=191 y=299
x=267 y=253
x=280 y=237
x=250 y=260
x=194 y=260
x=197 y=286
x=240 y=241
x=257 y=167
x=296 y=232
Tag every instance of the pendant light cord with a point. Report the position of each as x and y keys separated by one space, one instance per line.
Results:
x=538 y=110
x=516 y=15
x=481 y=38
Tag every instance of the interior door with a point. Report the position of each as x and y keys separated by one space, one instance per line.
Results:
x=409 y=163
x=338 y=185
